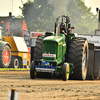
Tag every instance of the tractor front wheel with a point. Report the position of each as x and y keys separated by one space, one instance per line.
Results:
x=32 y=70
x=65 y=71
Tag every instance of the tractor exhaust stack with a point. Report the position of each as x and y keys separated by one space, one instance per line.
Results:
x=98 y=11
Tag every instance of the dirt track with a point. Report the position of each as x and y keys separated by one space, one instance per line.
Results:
x=47 y=89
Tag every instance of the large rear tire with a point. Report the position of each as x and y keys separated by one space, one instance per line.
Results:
x=39 y=47
x=38 y=51
x=78 y=55
x=5 y=57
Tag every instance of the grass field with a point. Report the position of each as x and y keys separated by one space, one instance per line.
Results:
x=2 y=69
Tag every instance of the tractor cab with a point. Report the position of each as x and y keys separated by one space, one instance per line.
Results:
x=63 y=28
x=63 y=22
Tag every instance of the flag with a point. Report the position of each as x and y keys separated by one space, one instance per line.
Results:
x=7 y=28
x=25 y=34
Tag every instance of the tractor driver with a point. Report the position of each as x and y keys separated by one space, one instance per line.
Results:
x=63 y=30
x=65 y=35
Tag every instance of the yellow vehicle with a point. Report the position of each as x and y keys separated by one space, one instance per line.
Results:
x=19 y=52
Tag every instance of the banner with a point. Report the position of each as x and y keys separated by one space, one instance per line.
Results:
x=25 y=34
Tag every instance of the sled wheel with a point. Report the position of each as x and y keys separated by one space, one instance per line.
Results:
x=27 y=66
x=16 y=63
x=20 y=62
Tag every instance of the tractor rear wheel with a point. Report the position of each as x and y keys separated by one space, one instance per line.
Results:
x=38 y=51
x=32 y=70
x=5 y=57
x=38 y=47
x=78 y=55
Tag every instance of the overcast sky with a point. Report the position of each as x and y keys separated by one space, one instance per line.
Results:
x=93 y=4
x=6 y=6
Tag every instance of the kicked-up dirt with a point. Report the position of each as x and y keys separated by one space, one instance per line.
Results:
x=47 y=89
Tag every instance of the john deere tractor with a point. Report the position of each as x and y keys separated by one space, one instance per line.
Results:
x=61 y=54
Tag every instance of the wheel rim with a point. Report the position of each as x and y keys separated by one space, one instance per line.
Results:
x=84 y=64
x=16 y=63
x=67 y=71
x=6 y=56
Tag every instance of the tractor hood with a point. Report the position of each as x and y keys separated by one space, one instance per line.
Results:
x=54 y=48
x=54 y=38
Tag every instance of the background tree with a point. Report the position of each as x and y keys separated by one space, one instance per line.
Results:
x=81 y=17
x=38 y=15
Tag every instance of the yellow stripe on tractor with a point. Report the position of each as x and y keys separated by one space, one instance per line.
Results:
x=60 y=43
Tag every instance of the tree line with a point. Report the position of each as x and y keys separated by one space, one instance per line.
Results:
x=39 y=15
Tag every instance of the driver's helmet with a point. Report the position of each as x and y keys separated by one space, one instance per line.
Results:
x=62 y=27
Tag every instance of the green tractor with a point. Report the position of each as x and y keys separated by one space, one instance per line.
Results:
x=5 y=52
x=61 y=54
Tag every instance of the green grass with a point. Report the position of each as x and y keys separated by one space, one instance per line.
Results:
x=11 y=69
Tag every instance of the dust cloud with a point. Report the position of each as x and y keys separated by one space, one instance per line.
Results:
x=60 y=7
